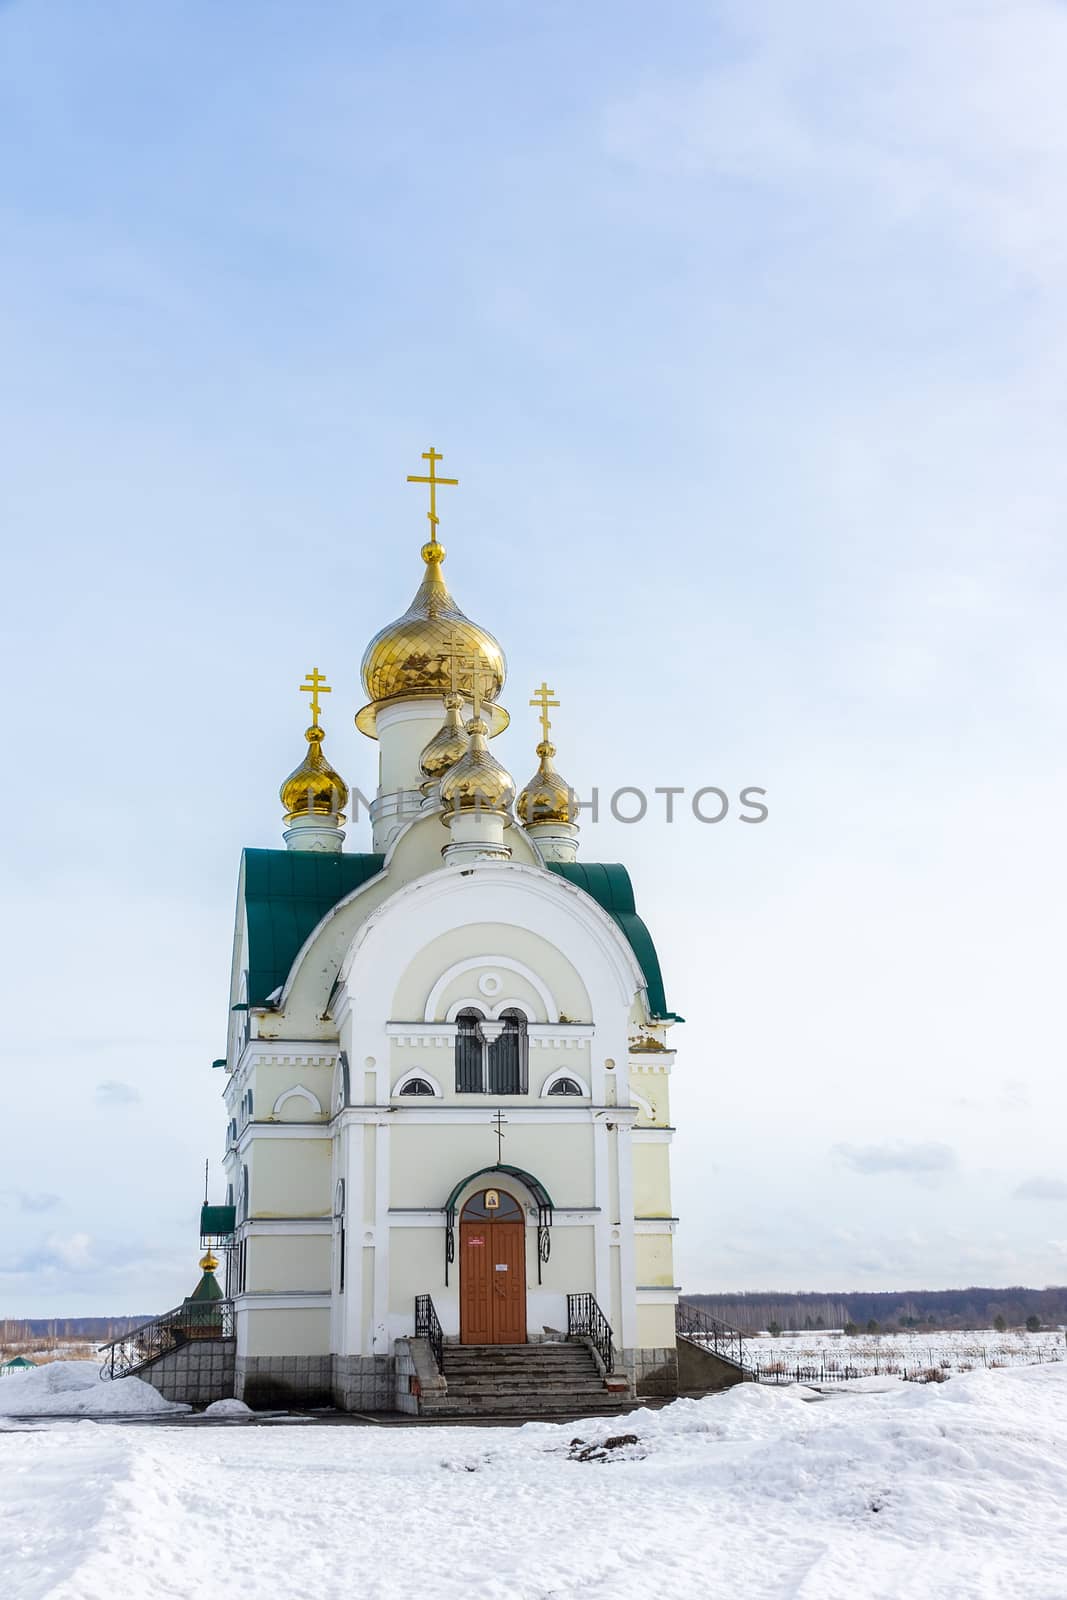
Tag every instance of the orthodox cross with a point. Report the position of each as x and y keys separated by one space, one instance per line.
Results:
x=477 y=671
x=433 y=457
x=498 y=1123
x=451 y=655
x=314 y=685
x=542 y=698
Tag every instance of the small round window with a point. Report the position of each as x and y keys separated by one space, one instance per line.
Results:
x=565 y=1086
x=417 y=1086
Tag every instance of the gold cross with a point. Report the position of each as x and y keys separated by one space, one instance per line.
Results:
x=433 y=457
x=452 y=657
x=314 y=685
x=542 y=698
x=477 y=671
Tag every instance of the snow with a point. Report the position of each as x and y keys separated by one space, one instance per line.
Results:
x=949 y=1491
x=821 y=1354
x=75 y=1388
x=228 y=1408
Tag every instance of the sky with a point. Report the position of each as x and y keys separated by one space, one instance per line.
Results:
x=743 y=326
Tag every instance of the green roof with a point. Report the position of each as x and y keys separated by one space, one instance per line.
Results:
x=287 y=894
x=609 y=885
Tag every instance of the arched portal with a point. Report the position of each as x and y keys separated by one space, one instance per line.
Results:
x=492 y=1269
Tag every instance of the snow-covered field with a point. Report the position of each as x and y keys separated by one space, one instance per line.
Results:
x=954 y=1491
x=823 y=1356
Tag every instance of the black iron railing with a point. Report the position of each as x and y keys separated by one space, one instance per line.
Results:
x=208 y=1319
x=585 y=1320
x=694 y=1323
x=428 y=1327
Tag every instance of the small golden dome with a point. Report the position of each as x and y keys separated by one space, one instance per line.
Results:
x=447 y=746
x=547 y=797
x=314 y=789
x=477 y=781
x=208 y=1263
x=412 y=656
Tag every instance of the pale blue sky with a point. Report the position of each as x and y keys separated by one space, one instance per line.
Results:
x=743 y=327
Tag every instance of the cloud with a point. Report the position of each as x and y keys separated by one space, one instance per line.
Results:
x=113 y=1092
x=58 y=1253
x=917 y=1160
x=41 y=1201
x=1041 y=1189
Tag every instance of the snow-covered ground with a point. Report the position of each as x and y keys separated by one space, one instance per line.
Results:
x=824 y=1355
x=75 y=1388
x=946 y=1492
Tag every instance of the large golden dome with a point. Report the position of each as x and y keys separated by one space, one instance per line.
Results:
x=411 y=657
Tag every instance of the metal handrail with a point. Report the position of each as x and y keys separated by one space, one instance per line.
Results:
x=196 y=1319
x=428 y=1327
x=694 y=1323
x=585 y=1320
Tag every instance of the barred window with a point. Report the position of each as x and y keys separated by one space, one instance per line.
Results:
x=509 y=1056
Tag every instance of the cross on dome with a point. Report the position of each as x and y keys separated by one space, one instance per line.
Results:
x=542 y=698
x=433 y=457
x=315 y=684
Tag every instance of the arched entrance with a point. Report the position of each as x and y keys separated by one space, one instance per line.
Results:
x=492 y=1270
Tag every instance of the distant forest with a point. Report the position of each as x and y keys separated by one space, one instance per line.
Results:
x=16 y=1330
x=890 y=1310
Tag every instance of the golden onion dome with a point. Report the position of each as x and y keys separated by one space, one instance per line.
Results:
x=447 y=746
x=477 y=782
x=209 y=1263
x=412 y=657
x=547 y=797
x=314 y=789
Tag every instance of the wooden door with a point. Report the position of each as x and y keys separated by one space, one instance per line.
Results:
x=492 y=1273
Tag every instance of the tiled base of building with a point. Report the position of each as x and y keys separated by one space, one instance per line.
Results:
x=364 y=1383
x=278 y=1383
x=196 y=1374
x=651 y=1371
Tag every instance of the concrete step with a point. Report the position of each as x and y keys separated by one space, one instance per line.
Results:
x=521 y=1369
x=513 y=1404
x=519 y=1380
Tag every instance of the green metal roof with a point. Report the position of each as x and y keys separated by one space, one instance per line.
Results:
x=287 y=894
x=609 y=885
x=217 y=1222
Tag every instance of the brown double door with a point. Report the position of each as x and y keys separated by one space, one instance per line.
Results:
x=492 y=1270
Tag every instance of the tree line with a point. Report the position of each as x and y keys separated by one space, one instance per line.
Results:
x=888 y=1310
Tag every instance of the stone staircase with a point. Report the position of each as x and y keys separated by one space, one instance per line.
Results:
x=522 y=1380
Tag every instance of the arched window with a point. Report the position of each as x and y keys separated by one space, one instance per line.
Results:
x=244 y=1194
x=417 y=1086
x=565 y=1086
x=470 y=1048
x=509 y=1055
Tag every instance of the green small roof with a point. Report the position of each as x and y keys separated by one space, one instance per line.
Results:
x=287 y=894
x=17 y=1364
x=609 y=885
x=207 y=1289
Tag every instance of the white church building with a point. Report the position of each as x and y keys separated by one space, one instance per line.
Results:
x=447 y=1069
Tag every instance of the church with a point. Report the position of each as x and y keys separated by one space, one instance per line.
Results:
x=447 y=1068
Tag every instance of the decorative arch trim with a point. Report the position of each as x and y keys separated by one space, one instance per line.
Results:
x=418 y=1072
x=506 y=964
x=564 y=1072
x=297 y=1092
x=491 y=1013
x=536 y=1188
x=643 y=1105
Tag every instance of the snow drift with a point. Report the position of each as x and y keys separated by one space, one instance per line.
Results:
x=75 y=1388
